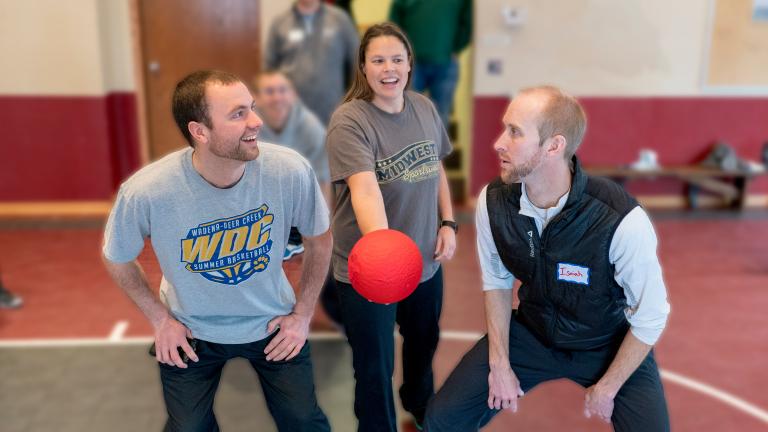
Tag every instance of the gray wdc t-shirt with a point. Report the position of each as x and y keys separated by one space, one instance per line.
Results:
x=404 y=151
x=220 y=250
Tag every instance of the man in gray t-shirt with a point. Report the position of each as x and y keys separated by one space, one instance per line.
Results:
x=218 y=216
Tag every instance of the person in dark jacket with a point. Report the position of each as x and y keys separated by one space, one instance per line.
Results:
x=592 y=300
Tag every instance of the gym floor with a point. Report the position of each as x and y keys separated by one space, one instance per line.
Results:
x=73 y=358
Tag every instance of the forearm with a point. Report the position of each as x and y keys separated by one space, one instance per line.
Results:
x=367 y=202
x=498 y=313
x=444 y=203
x=313 y=272
x=131 y=278
x=631 y=353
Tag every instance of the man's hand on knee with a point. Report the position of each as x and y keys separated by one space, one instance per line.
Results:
x=503 y=389
x=599 y=401
x=293 y=333
x=169 y=336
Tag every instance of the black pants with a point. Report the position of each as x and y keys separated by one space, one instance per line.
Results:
x=288 y=387
x=369 y=327
x=329 y=298
x=462 y=403
x=294 y=237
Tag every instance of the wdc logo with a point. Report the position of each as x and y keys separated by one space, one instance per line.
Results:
x=231 y=250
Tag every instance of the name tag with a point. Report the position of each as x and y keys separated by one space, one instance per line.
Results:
x=573 y=273
x=295 y=36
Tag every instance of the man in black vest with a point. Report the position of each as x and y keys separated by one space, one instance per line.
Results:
x=592 y=300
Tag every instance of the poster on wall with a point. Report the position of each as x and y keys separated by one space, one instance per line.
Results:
x=760 y=10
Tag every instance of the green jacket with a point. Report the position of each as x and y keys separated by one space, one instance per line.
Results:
x=438 y=29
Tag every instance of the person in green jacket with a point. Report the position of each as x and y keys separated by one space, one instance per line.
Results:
x=439 y=31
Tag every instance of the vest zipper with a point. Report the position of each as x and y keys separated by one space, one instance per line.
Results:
x=556 y=309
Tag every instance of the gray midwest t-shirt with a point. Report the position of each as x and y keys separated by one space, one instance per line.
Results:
x=220 y=250
x=404 y=150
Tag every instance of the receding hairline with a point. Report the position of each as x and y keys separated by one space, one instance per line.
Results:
x=543 y=99
x=559 y=113
x=544 y=94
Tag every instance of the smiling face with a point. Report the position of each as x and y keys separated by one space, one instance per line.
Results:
x=308 y=4
x=274 y=98
x=386 y=70
x=234 y=123
x=520 y=148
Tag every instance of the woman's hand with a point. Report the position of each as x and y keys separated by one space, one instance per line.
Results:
x=446 y=244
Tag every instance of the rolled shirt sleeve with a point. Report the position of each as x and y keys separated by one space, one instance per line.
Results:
x=495 y=275
x=638 y=272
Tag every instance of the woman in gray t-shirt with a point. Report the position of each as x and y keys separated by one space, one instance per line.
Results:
x=385 y=146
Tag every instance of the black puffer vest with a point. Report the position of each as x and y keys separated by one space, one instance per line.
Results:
x=569 y=298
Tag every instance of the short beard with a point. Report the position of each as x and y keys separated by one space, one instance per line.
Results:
x=237 y=153
x=515 y=174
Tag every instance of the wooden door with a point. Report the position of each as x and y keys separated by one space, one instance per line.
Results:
x=182 y=36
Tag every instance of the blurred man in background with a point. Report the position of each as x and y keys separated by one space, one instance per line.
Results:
x=315 y=45
x=289 y=123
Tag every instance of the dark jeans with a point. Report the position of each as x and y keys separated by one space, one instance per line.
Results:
x=294 y=237
x=329 y=298
x=439 y=80
x=462 y=403
x=370 y=327
x=288 y=387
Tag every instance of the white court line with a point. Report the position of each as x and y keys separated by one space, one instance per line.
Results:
x=460 y=335
x=110 y=341
x=722 y=396
x=675 y=378
x=73 y=342
x=118 y=331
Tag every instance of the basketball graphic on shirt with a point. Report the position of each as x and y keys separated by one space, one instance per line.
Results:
x=230 y=250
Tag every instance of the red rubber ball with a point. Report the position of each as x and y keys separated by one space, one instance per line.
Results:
x=385 y=266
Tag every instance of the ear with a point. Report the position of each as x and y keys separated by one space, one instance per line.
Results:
x=556 y=145
x=198 y=131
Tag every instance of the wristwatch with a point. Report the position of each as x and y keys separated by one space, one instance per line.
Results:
x=450 y=223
